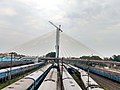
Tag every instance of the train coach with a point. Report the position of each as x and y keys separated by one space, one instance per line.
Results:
x=30 y=82
x=89 y=83
x=5 y=73
x=50 y=81
x=68 y=82
x=113 y=75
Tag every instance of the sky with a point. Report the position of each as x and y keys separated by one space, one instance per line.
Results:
x=95 y=23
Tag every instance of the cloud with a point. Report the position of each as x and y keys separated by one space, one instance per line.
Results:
x=93 y=22
x=4 y=24
x=8 y=11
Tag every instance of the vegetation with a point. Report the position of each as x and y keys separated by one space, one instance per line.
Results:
x=51 y=54
x=116 y=58
x=91 y=57
x=113 y=58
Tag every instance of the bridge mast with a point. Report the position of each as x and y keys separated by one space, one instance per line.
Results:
x=57 y=40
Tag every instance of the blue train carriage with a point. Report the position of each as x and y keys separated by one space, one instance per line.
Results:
x=4 y=74
x=115 y=75
x=106 y=73
x=103 y=72
x=30 y=81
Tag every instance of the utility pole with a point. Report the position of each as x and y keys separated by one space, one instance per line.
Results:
x=11 y=54
x=88 y=72
x=88 y=76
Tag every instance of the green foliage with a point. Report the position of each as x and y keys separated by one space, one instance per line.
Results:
x=106 y=58
x=96 y=58
x=51 y=54
x=91 y=57
x=113 y=58
x=85 y=57
x=116 y=58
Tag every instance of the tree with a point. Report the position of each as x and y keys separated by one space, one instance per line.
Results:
x=91 y=57
x=96 y=58
x=85 y=57
x=106 y=58
x=116 y=58
x=51 y=54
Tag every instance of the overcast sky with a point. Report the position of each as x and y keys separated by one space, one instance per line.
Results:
x=95 y=23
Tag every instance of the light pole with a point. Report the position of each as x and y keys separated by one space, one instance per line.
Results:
x=88 y=70
x=11 y=55
x=88 y=74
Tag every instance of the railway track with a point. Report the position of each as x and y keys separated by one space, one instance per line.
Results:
x=109 y=84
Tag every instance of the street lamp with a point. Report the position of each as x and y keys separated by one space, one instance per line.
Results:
x=88 y=73
x=11 y=55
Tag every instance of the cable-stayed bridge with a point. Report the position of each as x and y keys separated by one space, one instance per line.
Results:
x=57 y=72
x=69 y=47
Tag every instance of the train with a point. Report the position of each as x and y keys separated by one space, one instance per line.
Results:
x=50 y=81
x=88 y=82
x=13 y=71
x=31 y=81
x=68 y=82
x=107 y=73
